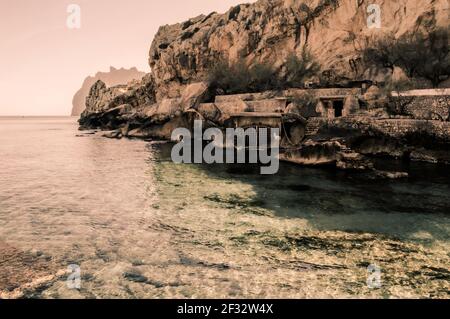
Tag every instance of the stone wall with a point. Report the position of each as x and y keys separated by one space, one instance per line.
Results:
x=398 y=127
x=290 y=93
x=428 y=104
x=323 y=92
x=429 y=107
x=401 y=127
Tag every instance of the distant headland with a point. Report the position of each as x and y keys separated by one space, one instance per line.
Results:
x=111 y=78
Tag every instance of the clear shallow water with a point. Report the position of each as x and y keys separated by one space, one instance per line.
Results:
x=140 y=226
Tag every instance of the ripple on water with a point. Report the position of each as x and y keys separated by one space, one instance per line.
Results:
x=140 y=226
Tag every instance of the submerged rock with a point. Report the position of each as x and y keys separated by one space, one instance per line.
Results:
x=25 y=271
x=113 y=134
x=135 y=277
x=391 y=175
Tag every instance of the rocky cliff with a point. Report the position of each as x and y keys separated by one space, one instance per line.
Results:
x=104 y=104
x=334 y=32
x=111 y=78
x=269 y=30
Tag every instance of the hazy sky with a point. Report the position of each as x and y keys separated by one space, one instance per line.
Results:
x=43 y=62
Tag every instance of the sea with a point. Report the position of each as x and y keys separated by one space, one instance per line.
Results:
x=84 y=216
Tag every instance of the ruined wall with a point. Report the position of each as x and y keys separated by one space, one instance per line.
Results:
x=290 y=93
x=430 y=107
x=426 y=104
x=398 y=127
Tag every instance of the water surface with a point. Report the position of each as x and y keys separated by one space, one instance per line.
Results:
x=140 y=226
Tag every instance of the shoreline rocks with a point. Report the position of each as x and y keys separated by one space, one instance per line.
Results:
x=267 y=31
x=111 y=78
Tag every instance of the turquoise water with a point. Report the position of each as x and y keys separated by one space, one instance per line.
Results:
x=140 y=226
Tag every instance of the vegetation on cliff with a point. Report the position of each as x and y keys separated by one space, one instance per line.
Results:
x=419 y=54
x=234 y=78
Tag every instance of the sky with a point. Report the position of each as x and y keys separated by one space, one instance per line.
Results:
x=43 y=62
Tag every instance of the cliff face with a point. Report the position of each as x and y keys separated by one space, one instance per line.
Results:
x=133 y=95
x=269 y=30
x=111 y=78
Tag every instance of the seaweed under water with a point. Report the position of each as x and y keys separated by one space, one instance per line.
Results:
x=140 y=226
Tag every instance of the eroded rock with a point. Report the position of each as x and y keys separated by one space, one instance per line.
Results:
x=269 y=30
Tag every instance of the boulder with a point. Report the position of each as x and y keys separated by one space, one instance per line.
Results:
x=111 y=78
x=114 y=134
x=193 y=95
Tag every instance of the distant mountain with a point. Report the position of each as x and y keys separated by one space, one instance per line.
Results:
x=111 y=78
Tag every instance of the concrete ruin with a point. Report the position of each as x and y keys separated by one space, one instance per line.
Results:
x=346 y=126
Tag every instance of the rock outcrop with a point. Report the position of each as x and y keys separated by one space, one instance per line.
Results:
x=269 y=30
x=103 y=104
x=111 y=78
